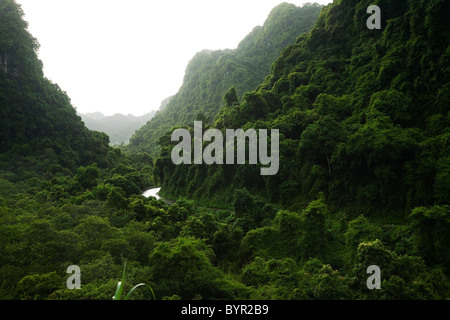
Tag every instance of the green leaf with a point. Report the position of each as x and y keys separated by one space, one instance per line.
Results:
x=119 y=290
x=137 y=286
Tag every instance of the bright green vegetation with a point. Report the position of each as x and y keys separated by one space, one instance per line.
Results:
x=119 y=290
x=363 y=114
x=364 y=175
x=210 y=74
x=364 y=118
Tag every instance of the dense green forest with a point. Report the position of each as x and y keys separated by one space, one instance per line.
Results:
x=364 y=169
x=359 y=122
x=210 y=74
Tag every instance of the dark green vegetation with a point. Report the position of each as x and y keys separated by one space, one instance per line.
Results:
x=39 y=129
x=212 y=73
x=364 y=116
x=364 y=176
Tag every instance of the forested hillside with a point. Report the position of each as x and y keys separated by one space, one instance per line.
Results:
x=363 y=114
x=363 y=180
x=39 y=128
x=51 y=167
x=210 y=74
x=364 y=150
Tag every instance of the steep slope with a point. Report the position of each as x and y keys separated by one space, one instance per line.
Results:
x=97 y=221
x=39 y=128
x=210 y=74
x=363 y=114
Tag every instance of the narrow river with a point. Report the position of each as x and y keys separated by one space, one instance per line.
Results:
x=152 y=193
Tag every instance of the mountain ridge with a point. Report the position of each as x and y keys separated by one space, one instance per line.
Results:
x=211 y=73
x=363 y=181
x=118 y=127
x=37 y=117
x=355 y=116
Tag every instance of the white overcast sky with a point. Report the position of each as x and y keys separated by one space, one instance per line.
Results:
x=117 y=56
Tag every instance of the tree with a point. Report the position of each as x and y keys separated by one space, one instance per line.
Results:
x=430 y=227
x=88 y=176
x=39 y=286
x=313 y=225
x=246 y=208
x=183 y=266
x=319 y=140
x=231 y=97
x=328 y=284
x=360 y=230
x=94 y=231
x=402 y=276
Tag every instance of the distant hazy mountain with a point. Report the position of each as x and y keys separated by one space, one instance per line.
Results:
x=118 y=127
x=96 y=115
x=164 y=103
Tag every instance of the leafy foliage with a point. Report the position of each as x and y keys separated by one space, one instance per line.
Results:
x=211 y=74
x=363 y=178
x=357 y=121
